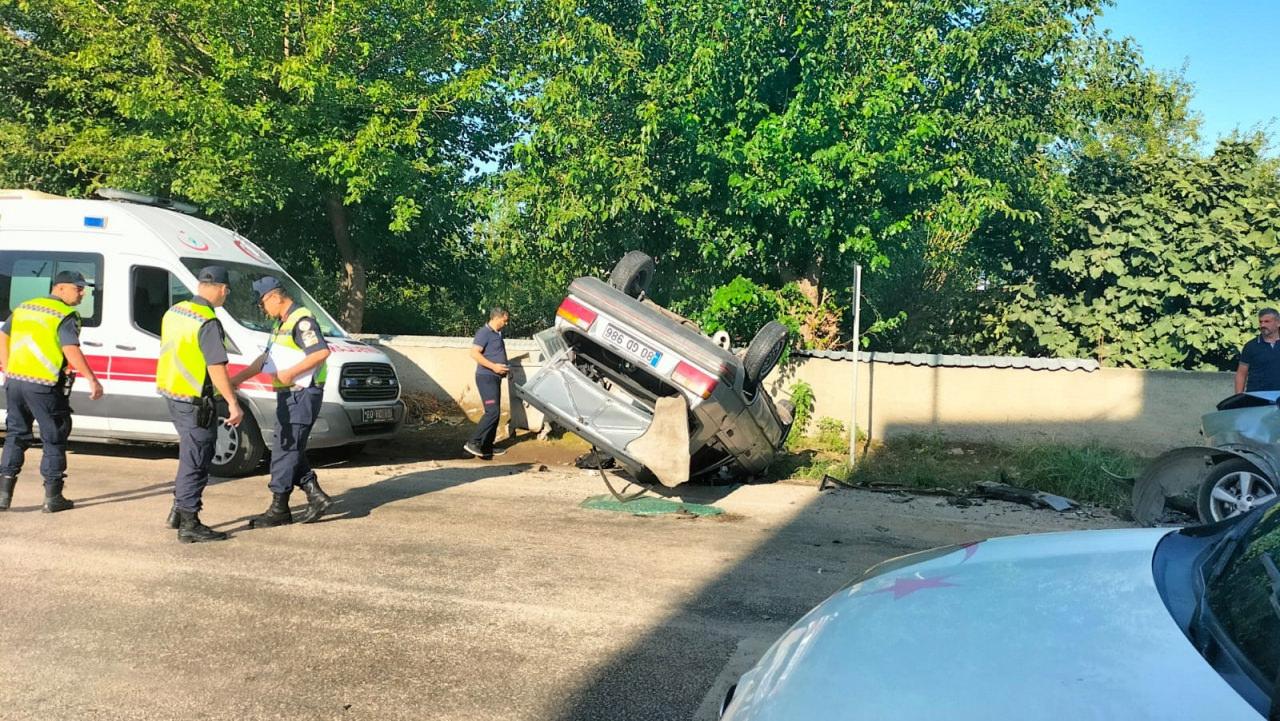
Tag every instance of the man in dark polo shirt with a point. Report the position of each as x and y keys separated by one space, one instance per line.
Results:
x=1259 y=367
x=490 y=354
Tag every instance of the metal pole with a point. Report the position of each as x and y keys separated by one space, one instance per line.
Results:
x=853 y=409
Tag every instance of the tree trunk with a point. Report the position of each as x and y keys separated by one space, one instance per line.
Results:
x=353 y=284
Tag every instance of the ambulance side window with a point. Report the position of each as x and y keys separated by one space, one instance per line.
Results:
x=27 y=274
x=154 y=291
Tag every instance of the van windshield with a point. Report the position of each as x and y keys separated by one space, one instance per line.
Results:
x=241 y=303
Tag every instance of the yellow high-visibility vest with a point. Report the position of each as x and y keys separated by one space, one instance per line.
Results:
x=181 y=371
x=282 y=335
x=35 y=353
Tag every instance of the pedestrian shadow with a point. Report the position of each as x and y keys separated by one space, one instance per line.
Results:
x=361 y=501
x=137 y=494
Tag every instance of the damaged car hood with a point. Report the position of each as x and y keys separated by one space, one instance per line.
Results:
x=1051 y=626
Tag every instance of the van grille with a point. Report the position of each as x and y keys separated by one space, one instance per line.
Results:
x=368 y=382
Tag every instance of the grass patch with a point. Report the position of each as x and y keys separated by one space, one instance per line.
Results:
x=930 y=461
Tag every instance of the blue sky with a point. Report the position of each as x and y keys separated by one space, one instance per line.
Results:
x=1231 y=49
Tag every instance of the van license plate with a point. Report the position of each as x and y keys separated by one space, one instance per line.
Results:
x=378 y=415
x=627 y=342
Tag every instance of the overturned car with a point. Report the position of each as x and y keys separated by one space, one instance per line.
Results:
x=1237 y=469
x=648 y=388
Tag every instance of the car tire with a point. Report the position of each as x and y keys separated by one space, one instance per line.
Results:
x=240 y=450
x=633 y=274
x=764 y=352
x=1227 y=478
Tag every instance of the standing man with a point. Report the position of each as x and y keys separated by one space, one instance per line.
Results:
x=192 y=366
x=489 y=352
x=1259 y=365
x=37 y=344
x=298 y=353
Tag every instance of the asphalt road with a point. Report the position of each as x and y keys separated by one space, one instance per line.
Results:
x=438 y=590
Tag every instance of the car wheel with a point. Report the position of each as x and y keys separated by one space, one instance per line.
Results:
x=633 y=274
x=238 y=450
x=1231 y=488
x=763 y=353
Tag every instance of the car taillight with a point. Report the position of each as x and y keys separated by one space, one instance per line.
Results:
x=576 y=313
x=693 y=379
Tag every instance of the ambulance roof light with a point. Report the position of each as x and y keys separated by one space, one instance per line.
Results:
x=129 y=196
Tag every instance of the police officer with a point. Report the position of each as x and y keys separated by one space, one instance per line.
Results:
x=192 y=365
x=37 y=344
x=297 y=353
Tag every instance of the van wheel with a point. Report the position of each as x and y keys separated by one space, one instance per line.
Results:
x=764 y=352
x=238 y=451
x=633 y=274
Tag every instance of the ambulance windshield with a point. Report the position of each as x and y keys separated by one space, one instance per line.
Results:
x=243 y=306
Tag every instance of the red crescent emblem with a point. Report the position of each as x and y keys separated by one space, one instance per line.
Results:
x=251 y=250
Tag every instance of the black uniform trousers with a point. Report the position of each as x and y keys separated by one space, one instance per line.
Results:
x=197 y=438
x=296 y=412
x=490 y=387
x=47 y=406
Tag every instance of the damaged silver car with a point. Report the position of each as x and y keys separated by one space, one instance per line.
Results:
x=1235 y=471
x=648 y=388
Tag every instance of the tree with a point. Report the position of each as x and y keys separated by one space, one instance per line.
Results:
x=787 y=141
x=1168 y=264
x=351 y=120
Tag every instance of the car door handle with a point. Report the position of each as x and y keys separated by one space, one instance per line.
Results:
x=91 y=343
x=126 y=347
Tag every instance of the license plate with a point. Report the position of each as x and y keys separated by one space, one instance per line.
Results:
x=627 y=342
x=377 y=415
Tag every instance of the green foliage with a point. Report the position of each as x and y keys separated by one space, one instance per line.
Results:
x=341 y=132
x=783 y=142
x=1012 y=178
x=802 y=396
x=832 y=436
x=741 y=308
x=1166 y=268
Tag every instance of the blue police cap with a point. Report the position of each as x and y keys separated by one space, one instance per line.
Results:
x=213 y=274
x=266 y=284
x=74 y=277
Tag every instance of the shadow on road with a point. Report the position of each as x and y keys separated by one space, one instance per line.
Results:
x=360 y=501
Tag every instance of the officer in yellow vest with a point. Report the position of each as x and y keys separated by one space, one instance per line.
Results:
x=37 y=344
x=192 y=366
x=296 y=360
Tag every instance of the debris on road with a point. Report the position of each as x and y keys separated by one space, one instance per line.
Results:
x=594 y=459
x=1025 y=496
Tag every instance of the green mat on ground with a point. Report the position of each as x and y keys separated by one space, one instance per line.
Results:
x=648 y=506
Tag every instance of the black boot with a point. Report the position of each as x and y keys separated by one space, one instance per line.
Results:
x=191 y=530
x=173 y=521
x=277 y=514
x=317 y=500
x=54 y=500
x=6 y=491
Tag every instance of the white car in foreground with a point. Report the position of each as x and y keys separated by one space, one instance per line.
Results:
x=1126 y=624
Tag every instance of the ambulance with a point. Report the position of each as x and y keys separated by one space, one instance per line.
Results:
x=142 y=254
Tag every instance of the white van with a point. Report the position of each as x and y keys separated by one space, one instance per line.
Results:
x=143 y=259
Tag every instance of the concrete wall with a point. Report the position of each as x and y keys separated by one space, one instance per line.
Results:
x=442 y=367
x=1145 y=411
